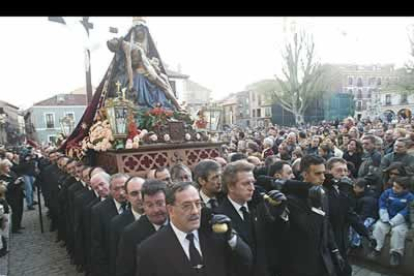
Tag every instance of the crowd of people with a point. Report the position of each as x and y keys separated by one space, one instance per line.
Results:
x=279 y=201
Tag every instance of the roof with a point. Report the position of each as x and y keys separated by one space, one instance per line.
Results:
x=175 y=74
x=81 y=90
x=229 y=100
x=8 y=104
x=193 y=86
x=67 y=99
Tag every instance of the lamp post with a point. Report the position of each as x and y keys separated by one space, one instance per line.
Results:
x=88 y=26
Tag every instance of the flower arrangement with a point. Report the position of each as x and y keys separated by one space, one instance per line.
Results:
x=155 y=119
x=100 y=137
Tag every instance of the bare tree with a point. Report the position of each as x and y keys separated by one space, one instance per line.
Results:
x=303 y=78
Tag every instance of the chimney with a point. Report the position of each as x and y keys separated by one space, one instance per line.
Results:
x=60 y=98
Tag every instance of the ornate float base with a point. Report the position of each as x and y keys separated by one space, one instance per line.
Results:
x=139 y=161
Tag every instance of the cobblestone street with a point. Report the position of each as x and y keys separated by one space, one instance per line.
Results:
x=35 y=254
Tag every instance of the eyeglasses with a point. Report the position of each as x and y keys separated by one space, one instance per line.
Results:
x=188 y=206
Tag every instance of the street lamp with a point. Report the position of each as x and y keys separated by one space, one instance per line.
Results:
x=66 y=124
x=88 y=26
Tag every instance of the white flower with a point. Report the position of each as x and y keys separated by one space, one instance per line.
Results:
x=128 y=144
x=187 y=136
x=153 y=137
x=167 y=137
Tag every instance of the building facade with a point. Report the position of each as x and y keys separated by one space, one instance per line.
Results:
x=10 y=125
x=43 y=119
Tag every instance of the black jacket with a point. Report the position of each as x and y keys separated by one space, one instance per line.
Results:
x=367 y=205
x=118 y=224
x=130 y=238
x=162 y=255
x=257 y=238
x=102 y=215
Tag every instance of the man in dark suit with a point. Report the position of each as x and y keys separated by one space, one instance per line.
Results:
x=182 y=248
x=248 y=212
x=102 y=214
x=133 y=188
x=207 y=174
x=97 y=197
x=81 y=198
x=309 y=244
x=156 y=215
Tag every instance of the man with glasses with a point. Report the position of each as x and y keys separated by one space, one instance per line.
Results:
x=189 y=249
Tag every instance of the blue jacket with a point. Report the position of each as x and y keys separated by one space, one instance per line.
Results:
x=395 y=208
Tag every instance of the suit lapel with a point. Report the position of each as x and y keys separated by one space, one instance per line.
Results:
x=178 y=258
x=237 y=221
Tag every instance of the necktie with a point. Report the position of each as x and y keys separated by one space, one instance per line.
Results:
x=122 y=208
x=195 y=257
x=246 y=215
x=248 y=227
x=213 y=203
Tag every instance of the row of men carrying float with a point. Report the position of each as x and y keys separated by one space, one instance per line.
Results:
x=121 y=225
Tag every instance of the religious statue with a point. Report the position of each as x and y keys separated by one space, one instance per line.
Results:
x=140 y=69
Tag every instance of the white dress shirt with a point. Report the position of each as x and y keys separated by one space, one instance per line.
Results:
x=206 y=199
x=118 y=206
x=185 y=244
x=136 y=215
x=238 y=206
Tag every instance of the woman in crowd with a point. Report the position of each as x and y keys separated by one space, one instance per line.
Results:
x=354 y=153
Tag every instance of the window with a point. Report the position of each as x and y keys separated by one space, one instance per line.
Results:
x=388 y=99
x=268 y=112
x=359 y=106
x=259 y=113
x=359 y=82
x=253 y=97
x=359 y=95
x=404 y=99
x=364 y=105
x=259 y=100
x=369 y=93
x=70 y=115
x=254 y=113
x=350 y=80
x=379 y=81
x=50 y=120
x=350 y=91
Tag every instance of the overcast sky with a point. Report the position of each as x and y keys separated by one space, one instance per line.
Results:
x=39 y=58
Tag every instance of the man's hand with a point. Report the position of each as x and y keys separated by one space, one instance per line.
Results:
x=278 y=202
x=221 y=224
x=340 y=262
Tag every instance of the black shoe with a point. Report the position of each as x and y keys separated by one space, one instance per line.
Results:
x=395 y=259
x=35 y=202
x=31 y=208
x=374 y=254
